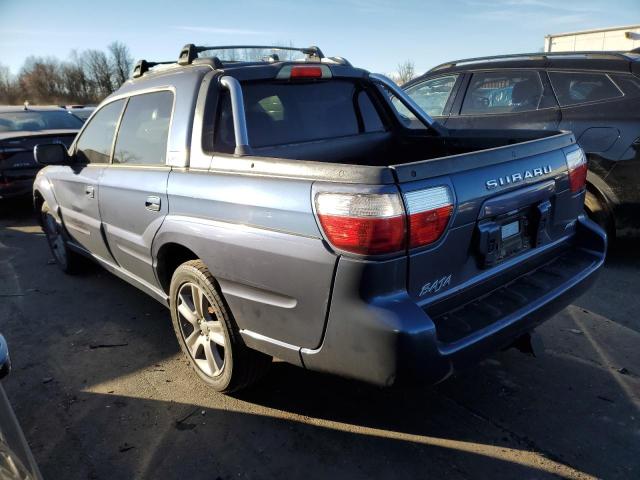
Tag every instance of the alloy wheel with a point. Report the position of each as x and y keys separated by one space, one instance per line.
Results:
x=202 y=329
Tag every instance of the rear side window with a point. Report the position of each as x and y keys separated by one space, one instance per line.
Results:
x=432 y=95
x=142 y=137
x=503 y=92
x=95 y=142
x=629 y=84
x=573 y=88
x=285 y=113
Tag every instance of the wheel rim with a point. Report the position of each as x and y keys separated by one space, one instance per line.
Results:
x=201 y=329
x=56 y=241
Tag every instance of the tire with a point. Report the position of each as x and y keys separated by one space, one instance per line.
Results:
x=207 y=333
x=68 y=261
x=599 y=213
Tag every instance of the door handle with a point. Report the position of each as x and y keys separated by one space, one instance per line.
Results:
x=152 y=203
x=90 y=191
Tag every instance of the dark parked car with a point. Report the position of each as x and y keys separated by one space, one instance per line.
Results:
x=16 y=460
x=83 y=112
x=22 y=128
x=594 y=94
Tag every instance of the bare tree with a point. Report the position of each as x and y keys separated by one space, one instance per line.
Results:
x=97 y=68
x=406 y=72
x=121 y=63
x=40 y=80
x=78 y=86
x=9 y=88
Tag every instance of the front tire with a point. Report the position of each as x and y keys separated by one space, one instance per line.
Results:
x=67 y=260
x=207 y=333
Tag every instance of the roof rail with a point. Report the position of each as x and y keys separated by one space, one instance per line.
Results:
x=534 y=56
x=143 y=67
x=190 y=51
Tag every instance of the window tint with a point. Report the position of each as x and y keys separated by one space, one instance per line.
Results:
x=283 y=113
x=142 y=137
x=370 y=118
x=432 y=95
x=224 y=131
x=95 y=142
x=572 y=88
x=629 y=84
x=503 y=92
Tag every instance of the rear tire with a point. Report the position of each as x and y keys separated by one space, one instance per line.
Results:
x=599 y=213
x=68 y=261
x=207 y=333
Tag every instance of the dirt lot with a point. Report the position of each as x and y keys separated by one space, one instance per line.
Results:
x=135 y=409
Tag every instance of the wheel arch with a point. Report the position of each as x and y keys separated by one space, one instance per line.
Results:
x=598 y=187
x=170 y=256
x=43 y=192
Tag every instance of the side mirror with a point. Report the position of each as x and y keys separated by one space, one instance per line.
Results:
x=51 y=154
x=5 y=362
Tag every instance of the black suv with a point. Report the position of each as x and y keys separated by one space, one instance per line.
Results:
x=594 y=94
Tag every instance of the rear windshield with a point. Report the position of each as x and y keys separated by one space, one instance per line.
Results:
x=34 y=121
x=285 y=113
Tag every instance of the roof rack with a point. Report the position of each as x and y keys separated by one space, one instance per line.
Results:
x=190 y=51
x=143 y=66
x=535 y=56
x=189 y=55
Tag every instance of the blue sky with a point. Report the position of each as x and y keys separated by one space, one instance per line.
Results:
x=373 y=34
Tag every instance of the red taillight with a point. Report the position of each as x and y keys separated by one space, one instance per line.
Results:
x=374 y=224
x=429 y=212
x=306 y=72
x=366 y=224
x=577 y=165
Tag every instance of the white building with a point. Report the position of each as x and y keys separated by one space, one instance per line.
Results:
x=612 y=39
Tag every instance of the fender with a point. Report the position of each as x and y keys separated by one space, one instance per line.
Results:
x=277 y=284
x=602 y=188
x=44 y=187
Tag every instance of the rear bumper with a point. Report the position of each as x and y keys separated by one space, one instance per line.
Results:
x=385 y=339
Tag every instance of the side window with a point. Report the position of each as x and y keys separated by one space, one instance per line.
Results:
x=629 y=84
x=572 y=88
x=142 y=137
x=370 y=117
x=503 y=92
x=225 y=141
x=95 y=142
x=432 y=95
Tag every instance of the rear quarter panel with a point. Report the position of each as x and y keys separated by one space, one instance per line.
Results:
x=259 y=238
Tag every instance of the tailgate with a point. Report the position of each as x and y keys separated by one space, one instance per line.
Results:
x=509 y=203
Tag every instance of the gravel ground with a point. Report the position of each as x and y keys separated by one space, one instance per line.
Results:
x=102 y=392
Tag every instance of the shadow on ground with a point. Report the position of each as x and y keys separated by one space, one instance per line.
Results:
x=102 y=392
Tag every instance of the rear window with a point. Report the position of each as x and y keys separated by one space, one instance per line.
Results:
x=573 y=88
x=285 y=113
x=31 y=121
